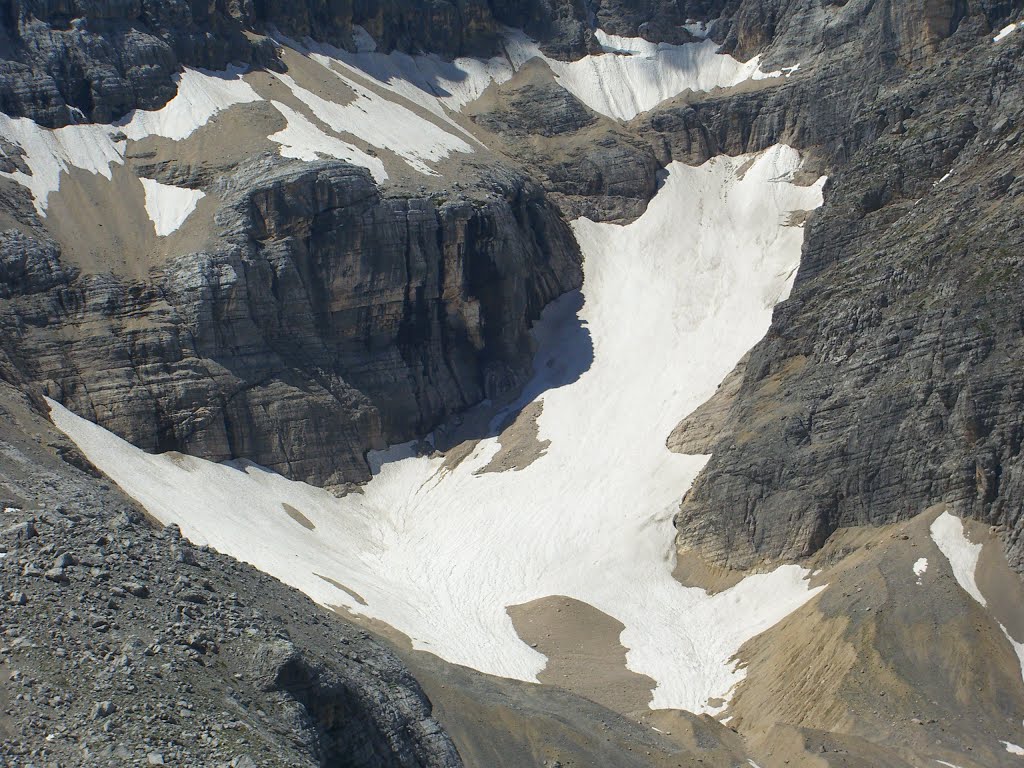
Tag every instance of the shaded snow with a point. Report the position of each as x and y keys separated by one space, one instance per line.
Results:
x=670 y=304
x=696 y=28
x=364 y=40
x=635 y=75
x=948 y=534
x=169 y=206
x=426 y=80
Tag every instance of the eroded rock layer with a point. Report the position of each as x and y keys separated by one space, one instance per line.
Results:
x=891 y=379
x=334 y=320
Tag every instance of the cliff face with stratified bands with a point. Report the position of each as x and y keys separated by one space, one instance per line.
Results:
x=336 y=320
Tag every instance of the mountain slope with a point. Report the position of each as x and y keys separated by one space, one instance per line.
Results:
x=535 y=254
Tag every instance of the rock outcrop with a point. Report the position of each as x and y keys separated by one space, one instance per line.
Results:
x=890 y=380
x=173 y=639
x=589 y=164
x=332 y=321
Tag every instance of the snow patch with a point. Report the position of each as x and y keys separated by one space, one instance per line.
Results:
x=382 y=123
x=1018 y=648
x=920 y=566
x=1012 y=748
x=948 y=534
x=50 y=152
x=364 y=40
x=634 y=75
x=168 y=206
x=302 y=140
x=201 y=95
x=696 y=28
x=948 y=765
x=94 y=147
x=670 y=303
x=1005 y=31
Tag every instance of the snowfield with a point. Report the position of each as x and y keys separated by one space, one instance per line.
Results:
x=401 y=104
x=634 y=75
x=168 y=206
x=670 y=304
x=948 y=534
x=94 y=147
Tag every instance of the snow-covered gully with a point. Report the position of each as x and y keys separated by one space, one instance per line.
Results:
x=669 y=304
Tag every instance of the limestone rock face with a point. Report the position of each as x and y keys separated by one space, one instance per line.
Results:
x=891 y=379
x=591 y=165
x=335 y=320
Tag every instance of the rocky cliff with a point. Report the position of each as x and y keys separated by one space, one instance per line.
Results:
x=890 y=380
x=191 y=658
x=68 y=61
x=332 y=320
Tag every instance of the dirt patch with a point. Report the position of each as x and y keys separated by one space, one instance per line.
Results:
x=103 y=227
x=879 y=670
x=584 y=652
x=520 y=444
x=498 y=722
x=338 y=585
x=1000 y=585
x=229 y=138
x=302 y=520
x=693 y=571
x=797 y=218
x=458 y=454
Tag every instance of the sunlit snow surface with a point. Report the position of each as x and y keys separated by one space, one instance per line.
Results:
x=634 y=75
x=94 y=147
x=948 y=534
x=1005 y=31
x=168 y=206
x=670 y=304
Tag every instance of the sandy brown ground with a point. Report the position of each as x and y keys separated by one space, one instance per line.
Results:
x=498 y=723
x=921 y=672
x=520 y=444
x=298 y=517
x=584 y=653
